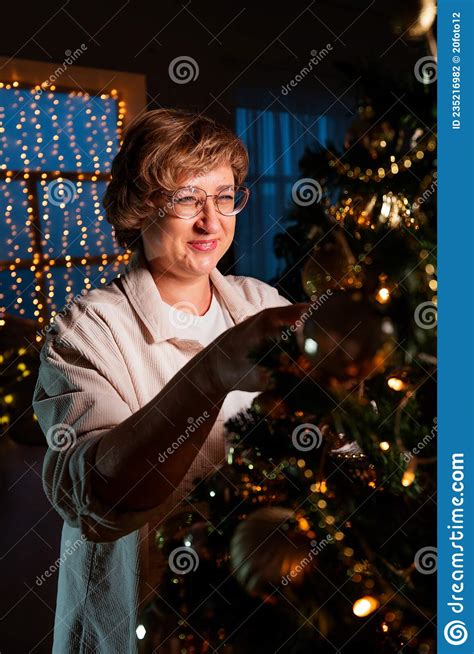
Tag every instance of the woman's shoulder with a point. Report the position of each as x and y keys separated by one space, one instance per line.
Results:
x=84 y=311
x=256 y=291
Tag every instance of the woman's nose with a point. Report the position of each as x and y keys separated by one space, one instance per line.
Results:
x=209 y=217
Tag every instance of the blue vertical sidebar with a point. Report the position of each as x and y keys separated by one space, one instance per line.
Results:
x=455 y=327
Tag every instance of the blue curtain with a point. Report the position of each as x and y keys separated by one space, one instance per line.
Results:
x=276 y=141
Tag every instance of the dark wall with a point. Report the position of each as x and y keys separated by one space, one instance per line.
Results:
x=236 y=47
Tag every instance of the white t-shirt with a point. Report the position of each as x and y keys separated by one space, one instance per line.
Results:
x=205 y=329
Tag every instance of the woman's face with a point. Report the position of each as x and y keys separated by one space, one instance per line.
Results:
x=171 y=243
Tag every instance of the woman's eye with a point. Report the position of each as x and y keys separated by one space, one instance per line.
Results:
x=186 y=199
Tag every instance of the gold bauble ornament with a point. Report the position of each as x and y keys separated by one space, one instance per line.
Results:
x=264 y=554
x=329 y=267
x=343 y=338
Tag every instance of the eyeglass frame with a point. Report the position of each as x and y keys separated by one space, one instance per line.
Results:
x=209 y=195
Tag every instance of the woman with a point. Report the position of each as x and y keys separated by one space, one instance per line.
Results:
x=138 y=378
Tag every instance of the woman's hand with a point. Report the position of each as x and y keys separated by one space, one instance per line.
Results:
x=227 y=357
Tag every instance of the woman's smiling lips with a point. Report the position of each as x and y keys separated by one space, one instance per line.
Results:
x=204 y=245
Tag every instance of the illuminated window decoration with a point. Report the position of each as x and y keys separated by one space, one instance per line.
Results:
x=46 y=130
x=56 y=152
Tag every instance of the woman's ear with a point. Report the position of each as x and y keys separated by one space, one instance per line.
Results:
x=156 y=199
x=157 y=202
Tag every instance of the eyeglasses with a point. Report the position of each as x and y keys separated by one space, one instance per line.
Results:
x=188 y=201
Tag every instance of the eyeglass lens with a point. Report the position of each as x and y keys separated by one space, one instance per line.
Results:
x=189 y=201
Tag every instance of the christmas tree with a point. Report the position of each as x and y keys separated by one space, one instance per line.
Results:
x=319 y=531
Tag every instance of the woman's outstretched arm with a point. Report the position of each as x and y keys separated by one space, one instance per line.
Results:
x=142 y=460
x=129 y=472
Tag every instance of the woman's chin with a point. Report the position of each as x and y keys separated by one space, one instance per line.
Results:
x=202 y=265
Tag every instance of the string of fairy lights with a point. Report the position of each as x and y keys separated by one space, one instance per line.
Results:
x=390 y=168
x=56 y=151
x=24 y=139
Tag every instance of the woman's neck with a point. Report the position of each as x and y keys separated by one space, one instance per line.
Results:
x=193 y=296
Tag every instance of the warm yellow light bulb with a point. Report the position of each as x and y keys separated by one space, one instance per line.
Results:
x=365 y=606
x=396 y=384
x=383 y=295
x=303 y=524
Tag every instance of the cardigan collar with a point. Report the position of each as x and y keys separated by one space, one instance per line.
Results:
x=145 y=297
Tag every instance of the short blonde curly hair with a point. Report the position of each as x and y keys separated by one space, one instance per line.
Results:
x=159 y=148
